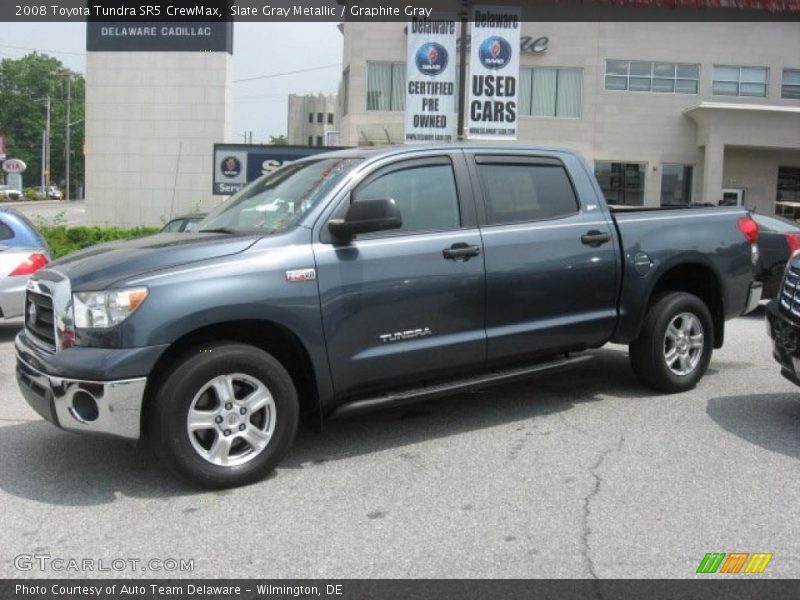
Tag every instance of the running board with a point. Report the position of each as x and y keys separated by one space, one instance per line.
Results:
x=424 y=393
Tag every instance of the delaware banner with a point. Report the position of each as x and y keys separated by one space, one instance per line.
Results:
x=431 y=80
x=494 y=73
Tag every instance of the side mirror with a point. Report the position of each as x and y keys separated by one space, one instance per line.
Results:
x=365 y=216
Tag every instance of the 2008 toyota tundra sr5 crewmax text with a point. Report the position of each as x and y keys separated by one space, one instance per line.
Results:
x=372 y=277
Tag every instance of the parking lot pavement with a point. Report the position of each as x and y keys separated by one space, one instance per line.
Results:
x=61 y=212
x=569 y=475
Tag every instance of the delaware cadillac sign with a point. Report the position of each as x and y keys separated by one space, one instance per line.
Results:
x=207 y=36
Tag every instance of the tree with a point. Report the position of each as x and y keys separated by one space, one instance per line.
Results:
x=24 y=85
x=279 y=140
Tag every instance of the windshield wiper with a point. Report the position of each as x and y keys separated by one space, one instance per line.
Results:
x=218 y=230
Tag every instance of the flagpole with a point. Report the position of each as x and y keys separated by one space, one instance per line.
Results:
x=462 y=68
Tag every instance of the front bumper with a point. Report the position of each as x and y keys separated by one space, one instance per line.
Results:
x=111 y=408
x=785 y=335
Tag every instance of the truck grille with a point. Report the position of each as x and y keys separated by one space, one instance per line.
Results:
x=39 y=319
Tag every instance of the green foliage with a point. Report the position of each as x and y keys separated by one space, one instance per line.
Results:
x=24 y=83
x=63 y=240
x=31 y=193
x=278 y=140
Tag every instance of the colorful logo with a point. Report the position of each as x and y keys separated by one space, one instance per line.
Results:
x=231 y=166
x=495 y=52
x=731 y=563
x=431 y=58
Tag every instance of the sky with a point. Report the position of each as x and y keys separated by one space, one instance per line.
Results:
x=258 y=49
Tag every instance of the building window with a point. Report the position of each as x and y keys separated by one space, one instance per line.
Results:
x=622 y=183
x=311 y=140
x=788 y=184
x=386 y=86
x=319 y=140
x=676 y=185
x=658 y=77
x=345 y=90
x=790 y=88
x=319 y=117
x=330 y=118
x=545 y=92
x=310 y=117
x=740 y=81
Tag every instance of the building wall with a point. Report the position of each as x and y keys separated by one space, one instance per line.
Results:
x=300 y=129
x=757 y=172
x=619 y=126
x=152 y=119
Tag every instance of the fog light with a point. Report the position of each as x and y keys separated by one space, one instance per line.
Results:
x=84 y=407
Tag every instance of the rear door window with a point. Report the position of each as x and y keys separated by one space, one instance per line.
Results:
x=521 y=192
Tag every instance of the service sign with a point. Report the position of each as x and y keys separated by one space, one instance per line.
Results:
x=431 y=80
x=494 y=73
x=236 y=165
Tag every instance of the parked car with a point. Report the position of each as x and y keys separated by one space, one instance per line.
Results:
x=184 y=222
x=778 y=239
x=9 y=193
x=783 y=322
x=22 y=252
x=53 y=193
x=367 y=278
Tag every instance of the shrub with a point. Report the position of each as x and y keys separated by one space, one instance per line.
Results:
x=31 y=193
x=63 y=240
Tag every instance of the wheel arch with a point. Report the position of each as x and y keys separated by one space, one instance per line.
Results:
x=272 y=337
x=700 y=280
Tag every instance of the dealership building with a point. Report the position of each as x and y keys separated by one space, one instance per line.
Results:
x=665 y=112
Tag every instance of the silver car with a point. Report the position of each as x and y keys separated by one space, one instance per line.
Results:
x=23 y=251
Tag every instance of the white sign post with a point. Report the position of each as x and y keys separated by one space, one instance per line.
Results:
x=494 y=73
x=431 y=80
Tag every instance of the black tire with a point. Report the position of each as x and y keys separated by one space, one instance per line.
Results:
x=649 y=353
x=193 y=371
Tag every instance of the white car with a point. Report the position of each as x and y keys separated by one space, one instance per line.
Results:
x=9 y=193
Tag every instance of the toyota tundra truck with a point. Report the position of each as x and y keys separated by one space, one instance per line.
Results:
x=367 y=278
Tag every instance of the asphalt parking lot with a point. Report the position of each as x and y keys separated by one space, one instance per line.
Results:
x=584 y=474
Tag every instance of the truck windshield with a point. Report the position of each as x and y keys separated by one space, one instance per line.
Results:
x=277 y=201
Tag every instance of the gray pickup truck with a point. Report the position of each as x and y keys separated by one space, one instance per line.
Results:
x=372 y=277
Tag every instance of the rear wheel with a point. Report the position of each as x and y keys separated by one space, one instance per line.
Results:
x=674 y=348
x=225 y=415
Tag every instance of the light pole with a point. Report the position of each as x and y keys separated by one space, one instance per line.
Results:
x=67 y=135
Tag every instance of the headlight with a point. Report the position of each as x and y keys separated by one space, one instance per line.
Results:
x=106 y=309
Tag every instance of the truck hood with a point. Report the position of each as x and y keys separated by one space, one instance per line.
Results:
x=97 y=267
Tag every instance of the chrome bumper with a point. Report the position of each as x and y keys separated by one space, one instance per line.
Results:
x=111 y=408
x=753 y=297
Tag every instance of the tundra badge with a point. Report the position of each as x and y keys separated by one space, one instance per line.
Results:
x=409 y=334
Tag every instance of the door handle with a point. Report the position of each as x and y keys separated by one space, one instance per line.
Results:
x=461 y=250
x=595 y=238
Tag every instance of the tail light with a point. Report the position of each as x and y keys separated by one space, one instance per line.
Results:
x=793 y=239
x=749 y=229
x=30 y=265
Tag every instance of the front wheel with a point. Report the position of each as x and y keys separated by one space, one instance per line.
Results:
x=674 y=347
x=225 y=415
